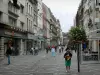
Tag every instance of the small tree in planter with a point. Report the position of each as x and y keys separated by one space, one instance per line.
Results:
x=77 y=36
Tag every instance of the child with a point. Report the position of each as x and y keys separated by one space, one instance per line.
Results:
x=67 y=57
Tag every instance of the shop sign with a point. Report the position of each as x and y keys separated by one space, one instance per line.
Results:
x=12 y=33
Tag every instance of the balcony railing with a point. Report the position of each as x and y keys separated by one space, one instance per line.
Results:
x=13 y=10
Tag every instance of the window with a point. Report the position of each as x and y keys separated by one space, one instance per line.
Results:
x=12 y=8
x=96 y=2
x=31 y=24
x=35 y=18
x=22 y=24
x=12 y=21
x=29 y=9
x=27 y=24
x=22 y=9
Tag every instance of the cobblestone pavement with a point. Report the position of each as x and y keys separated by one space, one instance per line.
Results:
x=44 y=64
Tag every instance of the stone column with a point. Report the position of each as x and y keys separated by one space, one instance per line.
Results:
x=1 y=47
x=89 y=44
x=21 y=47
x=25 y=45
x=94 y=45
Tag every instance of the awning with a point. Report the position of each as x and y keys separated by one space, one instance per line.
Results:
x=17 y=37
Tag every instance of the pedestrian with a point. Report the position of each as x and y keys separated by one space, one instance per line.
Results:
x=59 y=49
x=8 y=53
x=32 y=50
x=53 y=51
x=68 y=56
x=62 y=49
x=55 y=48
x=36 y=50
x=47 y=49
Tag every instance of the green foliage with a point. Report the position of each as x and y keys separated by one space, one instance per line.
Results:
x=77 y=34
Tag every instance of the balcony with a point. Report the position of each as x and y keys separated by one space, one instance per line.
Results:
x=97 y=8
x=13 y=10
x=33 y=1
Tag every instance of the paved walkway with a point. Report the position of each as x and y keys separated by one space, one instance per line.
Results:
x=24 y=59
x=45 y=64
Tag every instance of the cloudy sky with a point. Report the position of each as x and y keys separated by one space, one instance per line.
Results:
x=64 y=10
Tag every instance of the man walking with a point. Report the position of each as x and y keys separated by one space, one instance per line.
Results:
x=32 y=50
x=62 y=48
x=8 y=53
x=59 y=49
x=47 y=48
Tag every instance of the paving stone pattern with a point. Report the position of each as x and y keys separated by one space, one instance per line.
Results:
x=45 y=64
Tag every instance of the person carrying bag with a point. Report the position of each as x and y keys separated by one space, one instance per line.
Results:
x=68 y=56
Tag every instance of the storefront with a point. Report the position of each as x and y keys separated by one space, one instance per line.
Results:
x=17 y=37
x=32 y=41
x=91 y=54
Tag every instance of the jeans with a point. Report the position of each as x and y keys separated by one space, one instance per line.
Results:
x=8 y=59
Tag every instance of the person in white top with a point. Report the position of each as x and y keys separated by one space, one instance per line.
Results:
x=32 y=50
x=53 y=51
x=59 y=49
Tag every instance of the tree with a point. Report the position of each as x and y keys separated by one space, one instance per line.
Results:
x=77 y=34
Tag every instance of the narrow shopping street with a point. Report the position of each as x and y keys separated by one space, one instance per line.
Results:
x=45 y=64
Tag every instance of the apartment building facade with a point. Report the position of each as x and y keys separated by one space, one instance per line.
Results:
x=25 y=24
x=31 y=21
x=88 y=16
x=53 y=27
x=40 y=25
x=12 y=26
x=59 y=33
x=46 y=25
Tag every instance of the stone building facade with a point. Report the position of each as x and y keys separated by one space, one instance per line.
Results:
x=88 y=16
x=12 y=27
x=26 y=24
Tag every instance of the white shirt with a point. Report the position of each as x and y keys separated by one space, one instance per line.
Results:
x=53 y=50
x=32 y=49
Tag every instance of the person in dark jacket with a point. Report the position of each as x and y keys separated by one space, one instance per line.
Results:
x=8 y=53
x=68 y=56
x=47 y=49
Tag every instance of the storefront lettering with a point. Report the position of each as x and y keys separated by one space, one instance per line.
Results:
x=15 y=34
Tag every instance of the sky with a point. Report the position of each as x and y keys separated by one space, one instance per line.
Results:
x=64 y=10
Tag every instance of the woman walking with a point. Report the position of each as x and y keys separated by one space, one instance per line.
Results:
x=68 y=56
x=53 y=51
